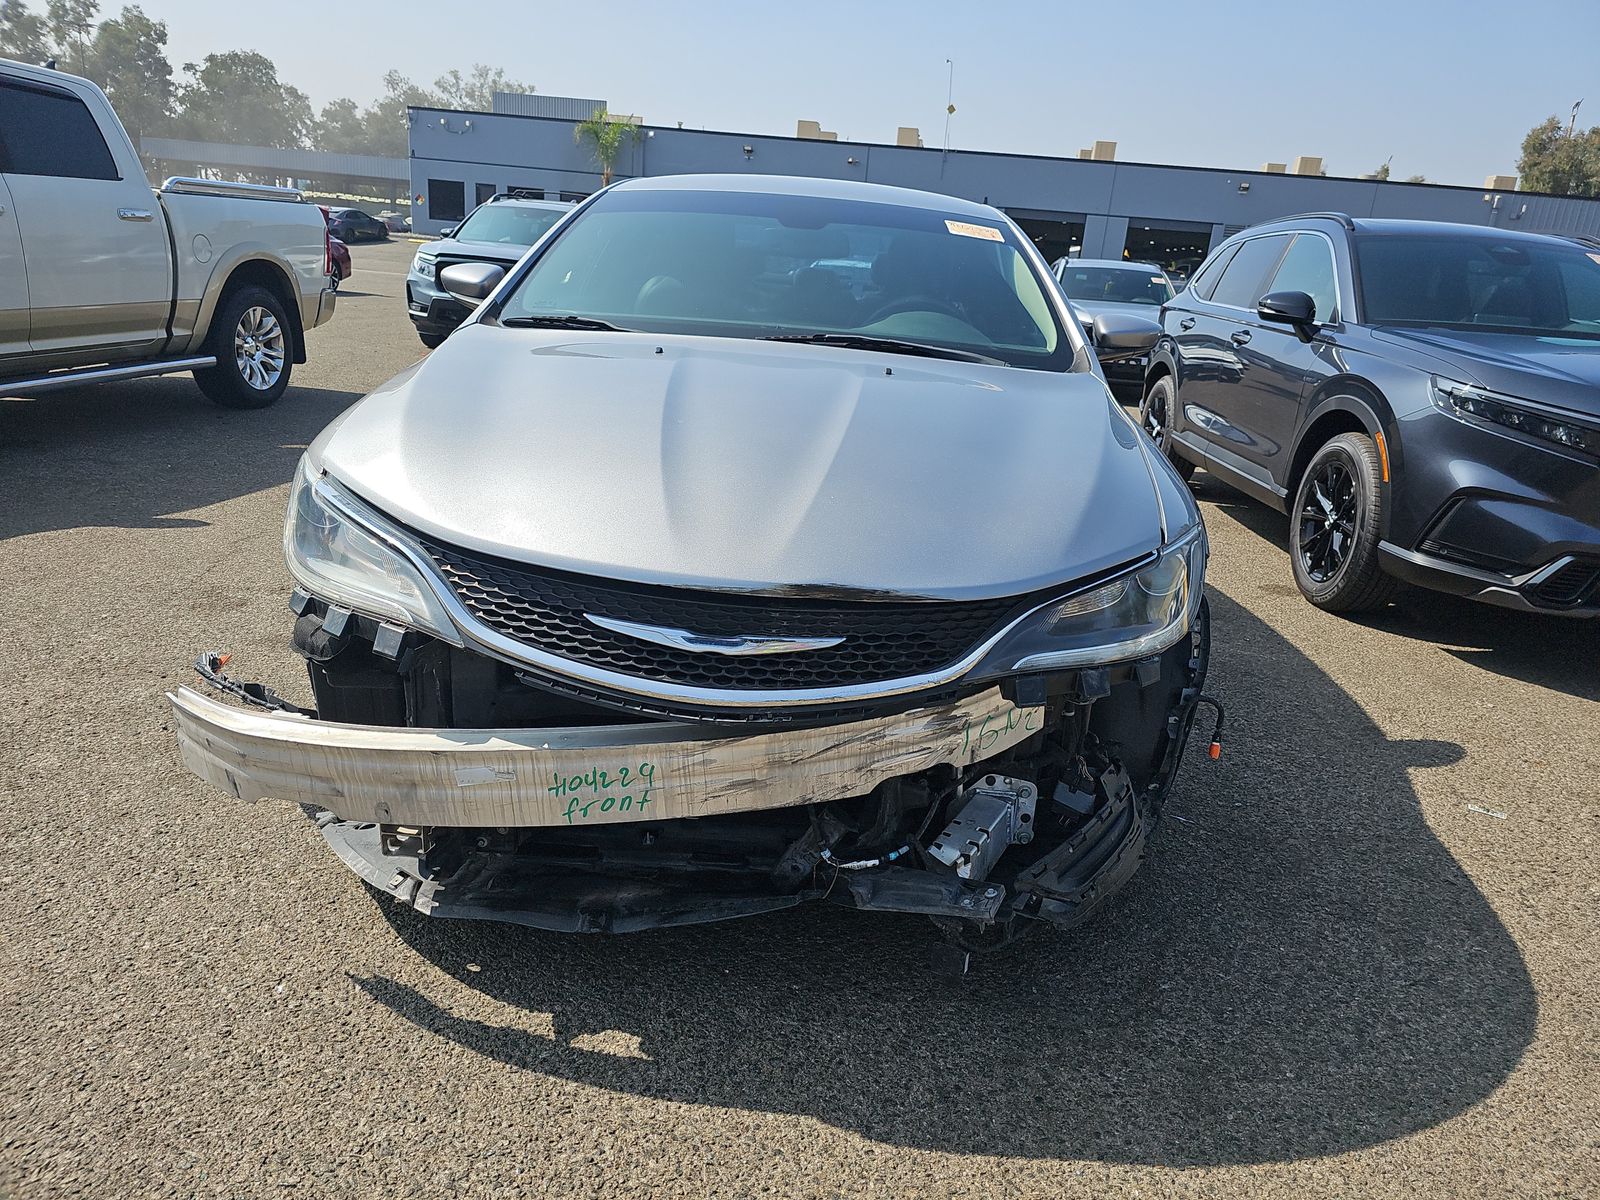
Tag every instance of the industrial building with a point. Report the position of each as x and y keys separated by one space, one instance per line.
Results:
x=1091 y=205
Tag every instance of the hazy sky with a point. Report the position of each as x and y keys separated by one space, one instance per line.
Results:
x=1448 y=89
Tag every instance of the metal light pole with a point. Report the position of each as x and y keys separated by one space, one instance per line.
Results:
x=949 y=102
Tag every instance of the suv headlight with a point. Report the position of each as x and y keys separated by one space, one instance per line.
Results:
x=345 y=563
x=423 y=261
x=1135 y=615
x=1549 y=425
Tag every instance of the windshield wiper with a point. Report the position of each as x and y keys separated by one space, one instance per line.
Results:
x=866 y=341
x=561 y=321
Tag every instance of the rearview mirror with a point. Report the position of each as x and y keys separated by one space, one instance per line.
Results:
x=1119 y=335
x=471 y=283
x=1289 y=308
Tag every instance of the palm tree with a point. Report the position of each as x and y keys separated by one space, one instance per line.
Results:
x=608 y=135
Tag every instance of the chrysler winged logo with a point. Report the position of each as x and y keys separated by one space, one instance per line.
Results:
x=684 y=639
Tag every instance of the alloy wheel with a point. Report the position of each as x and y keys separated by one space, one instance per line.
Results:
x=258 y=348
x=1329 y=508
x=1155 y=415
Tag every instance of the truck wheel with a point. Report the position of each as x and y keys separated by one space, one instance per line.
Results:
x=432 y=340
x=1333 y=528
x=1155 y=414
x=250 y=335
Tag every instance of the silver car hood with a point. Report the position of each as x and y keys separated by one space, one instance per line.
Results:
x=713 y=462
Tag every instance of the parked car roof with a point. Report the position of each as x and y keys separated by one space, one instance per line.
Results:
x=1125 y=264
x=802 y=185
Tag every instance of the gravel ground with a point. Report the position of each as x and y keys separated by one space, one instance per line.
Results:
x=1333 y=977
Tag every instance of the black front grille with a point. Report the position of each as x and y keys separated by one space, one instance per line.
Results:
x=1571 y=585
x=885 y=640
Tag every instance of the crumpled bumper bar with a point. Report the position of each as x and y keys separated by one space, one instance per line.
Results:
x=522 y=778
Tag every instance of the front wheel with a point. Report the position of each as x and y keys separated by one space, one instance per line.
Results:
x=1155 y=414
x=1334 y=528
x=432 y=340
x=251 y=339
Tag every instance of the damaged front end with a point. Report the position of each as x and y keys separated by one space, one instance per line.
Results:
x=473 y=755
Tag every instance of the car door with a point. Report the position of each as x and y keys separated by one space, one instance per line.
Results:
x=13 y=281
x=1220 y=341
x=93 y=238
x=1277 y=368
x=1194 y=357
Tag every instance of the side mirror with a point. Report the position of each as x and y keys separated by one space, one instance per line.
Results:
x=1118 y=336
x=471 y=283
x=448 y=231
x=1295 y=309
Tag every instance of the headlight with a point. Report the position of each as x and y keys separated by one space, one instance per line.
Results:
x=423 y=261
x=1136 y=615
x=1546 y=424
x=344 y=563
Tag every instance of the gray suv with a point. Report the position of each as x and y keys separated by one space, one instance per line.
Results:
x=1421 y=399
x=498 y=231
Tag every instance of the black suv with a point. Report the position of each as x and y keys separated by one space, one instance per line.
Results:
x=1422 y=399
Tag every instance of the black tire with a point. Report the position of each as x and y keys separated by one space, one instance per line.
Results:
x=1155 y=414
x=432 y=340
x=247 y=357
x=1334 y=528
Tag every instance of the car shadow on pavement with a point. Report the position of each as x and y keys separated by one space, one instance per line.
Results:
x=129 y=455
x=1301 y=969
x=1559 y=653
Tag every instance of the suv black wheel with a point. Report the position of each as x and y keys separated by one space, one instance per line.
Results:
x=253 y=342
x=1334 y=524
x=432 y=340
x=1155 y=414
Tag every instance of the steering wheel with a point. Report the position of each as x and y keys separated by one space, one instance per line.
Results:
x=917 y=303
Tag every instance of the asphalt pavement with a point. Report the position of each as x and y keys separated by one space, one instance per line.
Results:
x=1361 y=960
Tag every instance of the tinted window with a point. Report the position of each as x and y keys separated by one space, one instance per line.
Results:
x=508 y=224
x=759 y=264
x=45 y=132
x=1124 y=285
x=1501 y=284
x=483 y=191
x=1308 y=268
x=1244 y=280
x=1202 y=283
x=447 y=200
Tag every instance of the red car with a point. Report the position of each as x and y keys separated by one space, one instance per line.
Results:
x=339 y=258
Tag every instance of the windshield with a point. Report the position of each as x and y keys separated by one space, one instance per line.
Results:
x=738 y=264
x=1122 y=285
x=1510 y=286
x=508 y=224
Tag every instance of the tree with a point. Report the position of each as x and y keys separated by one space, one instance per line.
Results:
x=22 y=33
x=1416 y=179
x=341 y=128
x=71 y=24
x=607 y=135
x=237 y=97
x=476 y=89
x=130 y=59
x=1382 y=172
x=1554 y=160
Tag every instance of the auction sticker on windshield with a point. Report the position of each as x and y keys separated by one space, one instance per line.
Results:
x=987 y=232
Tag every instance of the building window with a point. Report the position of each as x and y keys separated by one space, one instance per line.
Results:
x=574 y=197
x=1177 y=247
x=447 y=200
x=486 y=191
x=1057 y=237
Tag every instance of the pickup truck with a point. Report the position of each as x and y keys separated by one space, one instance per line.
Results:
x=104 y=278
